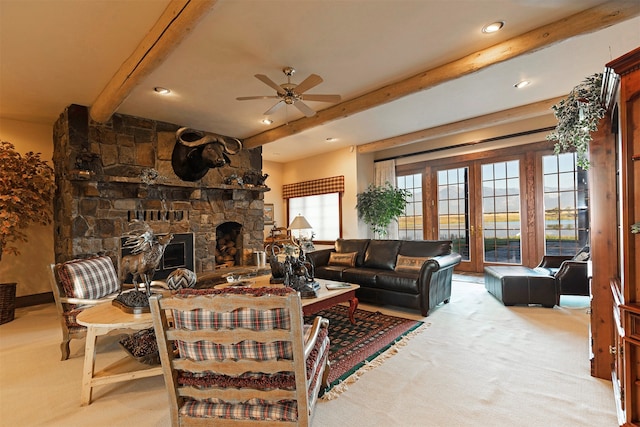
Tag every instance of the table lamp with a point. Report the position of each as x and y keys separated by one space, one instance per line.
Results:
x=299 y=223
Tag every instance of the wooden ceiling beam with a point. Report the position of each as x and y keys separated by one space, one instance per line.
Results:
x=523 y=112
x=178 y=19
x=601 y=16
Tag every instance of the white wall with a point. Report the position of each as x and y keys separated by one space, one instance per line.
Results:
x=29 y=269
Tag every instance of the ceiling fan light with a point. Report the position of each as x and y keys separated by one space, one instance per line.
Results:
x=493 y=27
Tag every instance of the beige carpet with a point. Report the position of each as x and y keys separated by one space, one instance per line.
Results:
x=478 y=363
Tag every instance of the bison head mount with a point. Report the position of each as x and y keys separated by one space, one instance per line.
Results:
x=196 y=152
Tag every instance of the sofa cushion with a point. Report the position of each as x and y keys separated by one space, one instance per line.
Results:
x=347 y=259
x=381 y=254
x=330 y=272
x=353 y=245
x=425 y=248
x=399 y=282
x=91 y=278
x=410 y=264
x=361 y=276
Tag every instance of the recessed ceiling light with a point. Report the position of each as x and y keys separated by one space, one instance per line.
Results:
x=330 y=139
x=161 y=90
x=493 y=27
x=266 y=121
x=522 y=84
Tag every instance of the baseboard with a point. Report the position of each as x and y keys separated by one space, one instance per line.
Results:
x=35 y=299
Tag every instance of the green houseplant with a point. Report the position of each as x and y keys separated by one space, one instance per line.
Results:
x=379 y=205
x=26 y=195
x=578 y=116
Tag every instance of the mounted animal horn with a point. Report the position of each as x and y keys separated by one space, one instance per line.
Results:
x=195 y=138
x=196 y=152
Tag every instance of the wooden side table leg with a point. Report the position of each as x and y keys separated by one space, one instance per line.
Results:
x=89 y=366
x=353 y=305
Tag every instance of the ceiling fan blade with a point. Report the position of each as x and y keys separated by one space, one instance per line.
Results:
x=322 y=98
x=245 y=98
x=266 y=80
x=274 y=108
x=304 y=108
x=311 y=81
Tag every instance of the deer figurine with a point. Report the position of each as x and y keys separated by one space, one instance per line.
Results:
x=146 y=251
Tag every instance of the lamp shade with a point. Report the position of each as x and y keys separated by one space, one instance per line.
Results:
x=299 y=223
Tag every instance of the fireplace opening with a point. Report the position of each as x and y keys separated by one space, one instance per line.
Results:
x=228 y=244
x=179 y=253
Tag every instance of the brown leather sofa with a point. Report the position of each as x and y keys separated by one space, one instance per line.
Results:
x=409 y=273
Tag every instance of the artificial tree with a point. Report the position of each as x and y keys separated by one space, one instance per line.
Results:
x=26 y=195
x=379 y=205
x=578 y=116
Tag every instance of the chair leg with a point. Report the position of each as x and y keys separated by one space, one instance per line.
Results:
x=64 y=349
x=325 y=376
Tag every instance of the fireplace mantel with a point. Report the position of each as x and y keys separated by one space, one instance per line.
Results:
x=80 y=176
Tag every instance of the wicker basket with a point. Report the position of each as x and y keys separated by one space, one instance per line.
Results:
x=7 y=302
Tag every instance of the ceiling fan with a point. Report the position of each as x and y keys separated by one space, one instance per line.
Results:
x=292 y=94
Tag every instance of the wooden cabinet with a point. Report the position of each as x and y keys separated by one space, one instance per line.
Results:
x=615 y=250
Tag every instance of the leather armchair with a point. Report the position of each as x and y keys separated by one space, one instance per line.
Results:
x=570 y=275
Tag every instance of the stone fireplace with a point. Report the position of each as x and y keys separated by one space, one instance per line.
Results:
x=110 y=174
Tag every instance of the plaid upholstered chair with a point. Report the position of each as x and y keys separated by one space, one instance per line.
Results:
x=240 y=356
x=77 y=285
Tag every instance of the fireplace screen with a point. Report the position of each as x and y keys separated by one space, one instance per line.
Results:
x=178 y=254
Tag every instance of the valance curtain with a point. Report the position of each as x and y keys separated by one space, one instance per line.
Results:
x=384 y=172
x=334 y=184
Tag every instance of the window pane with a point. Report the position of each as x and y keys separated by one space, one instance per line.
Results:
x=321 y=211
x=410 y=223
x=452 y=209
x=565 y=205
x=501 y=212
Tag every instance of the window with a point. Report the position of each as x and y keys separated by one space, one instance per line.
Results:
x=565 y=205
x=319 y=201
x=321 y=211
x=501 y=211
x=410 y=224
x=453 y=209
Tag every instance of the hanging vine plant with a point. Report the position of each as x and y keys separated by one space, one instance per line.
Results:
x=379 y=205
x=578 y=116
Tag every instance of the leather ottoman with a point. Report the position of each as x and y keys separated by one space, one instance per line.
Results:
x=521 y=285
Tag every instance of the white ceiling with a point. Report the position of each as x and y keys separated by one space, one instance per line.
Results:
x=58 y=52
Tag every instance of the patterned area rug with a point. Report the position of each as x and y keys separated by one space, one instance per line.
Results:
x=357 y=348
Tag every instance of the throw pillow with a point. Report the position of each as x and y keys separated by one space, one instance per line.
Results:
x=91 y=278
x=410 y=264
x=345 y=259
x=583 y=255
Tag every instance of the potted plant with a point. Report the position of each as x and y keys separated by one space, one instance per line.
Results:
x=379 y=205
x=578 y=115
x=26 y=195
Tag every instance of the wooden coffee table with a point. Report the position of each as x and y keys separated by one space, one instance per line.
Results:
x=330 y=297
x=327 y=297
